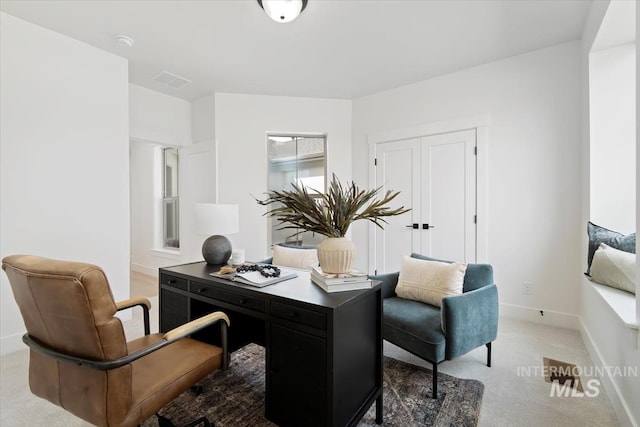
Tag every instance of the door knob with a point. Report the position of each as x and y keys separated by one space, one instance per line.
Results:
x=415 y=226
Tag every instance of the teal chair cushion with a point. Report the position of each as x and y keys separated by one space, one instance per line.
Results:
x=414 y=326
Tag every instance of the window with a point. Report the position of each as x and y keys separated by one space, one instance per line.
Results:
x=300 y=160
x=170 y=199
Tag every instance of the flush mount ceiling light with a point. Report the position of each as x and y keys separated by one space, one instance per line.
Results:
x=283 y=10
x=124 y=40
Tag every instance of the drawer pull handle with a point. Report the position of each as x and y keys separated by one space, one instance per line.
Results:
x=202 y=290
x=293 y=314
x=172 y=282
x=243 y=301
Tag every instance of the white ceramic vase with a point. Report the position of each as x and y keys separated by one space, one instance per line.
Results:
x=336 y=255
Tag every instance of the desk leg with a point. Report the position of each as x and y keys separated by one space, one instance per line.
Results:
x=379 y=409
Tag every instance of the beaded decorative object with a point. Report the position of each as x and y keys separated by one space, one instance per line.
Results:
x=264 y=270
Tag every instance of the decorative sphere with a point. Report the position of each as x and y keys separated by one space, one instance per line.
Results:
x=216 y=250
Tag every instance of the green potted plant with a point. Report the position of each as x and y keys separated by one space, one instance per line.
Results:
x=330 y=214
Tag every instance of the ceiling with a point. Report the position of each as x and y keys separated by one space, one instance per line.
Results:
x=335 y=49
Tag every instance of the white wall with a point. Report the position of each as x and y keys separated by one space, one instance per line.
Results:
x=197 y=185
x=203 y=114
x=64 y=188
x=533 y=166
x=612 y=139
x=242 y=122
x=159 y=118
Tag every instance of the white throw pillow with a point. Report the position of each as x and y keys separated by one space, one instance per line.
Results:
x=429 y=281
x=615 y=268
x=294 y=257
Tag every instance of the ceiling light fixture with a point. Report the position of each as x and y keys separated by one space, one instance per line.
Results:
x=124 y=40
x=283 y=10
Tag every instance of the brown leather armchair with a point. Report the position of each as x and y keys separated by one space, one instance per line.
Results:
x=80 y=359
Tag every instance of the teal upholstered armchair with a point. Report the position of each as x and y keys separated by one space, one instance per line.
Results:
x=437 y=334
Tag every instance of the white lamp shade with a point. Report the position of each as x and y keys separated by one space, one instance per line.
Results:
x=213 y=218
x=282 y=10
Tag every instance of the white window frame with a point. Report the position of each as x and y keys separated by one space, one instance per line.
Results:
x=166 y=201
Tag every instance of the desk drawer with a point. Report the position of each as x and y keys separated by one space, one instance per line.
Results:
x=299 y=315
x=175 y=282
x=238 y=299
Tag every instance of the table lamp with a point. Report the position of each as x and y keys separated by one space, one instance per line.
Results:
x=214 y=220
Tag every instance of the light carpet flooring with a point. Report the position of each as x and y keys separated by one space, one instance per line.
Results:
x=509 y=399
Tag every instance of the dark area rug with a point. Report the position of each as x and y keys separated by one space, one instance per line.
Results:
x=235 y=398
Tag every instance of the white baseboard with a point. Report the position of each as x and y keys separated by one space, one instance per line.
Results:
x=616 y=399
x=547 y=317
x=12 y=343
x=144 y=269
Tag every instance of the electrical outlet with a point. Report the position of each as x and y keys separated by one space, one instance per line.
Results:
x=527 y=288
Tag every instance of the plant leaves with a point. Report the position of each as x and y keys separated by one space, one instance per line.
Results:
x=331 y=213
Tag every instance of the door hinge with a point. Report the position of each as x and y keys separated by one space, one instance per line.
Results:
x=475 y=219
x=375 y=272
x=375 y=162
x=475 y=150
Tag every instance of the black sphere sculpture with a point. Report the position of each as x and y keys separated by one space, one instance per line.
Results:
x=216 y=250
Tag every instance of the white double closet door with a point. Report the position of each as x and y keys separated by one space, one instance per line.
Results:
x=436 y=177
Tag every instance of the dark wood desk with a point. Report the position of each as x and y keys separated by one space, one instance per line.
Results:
x=323 y=351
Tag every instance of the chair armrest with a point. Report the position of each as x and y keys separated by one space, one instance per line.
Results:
x=389 y=282
x=142 y=302
x=174 y=335
x=470 y=320
x=132 y=302
x=199 y=323
x=195 y=325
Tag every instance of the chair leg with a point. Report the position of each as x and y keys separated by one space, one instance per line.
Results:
x=488 y=354
x=205 y=423
x=166 y=422
x=435 y=380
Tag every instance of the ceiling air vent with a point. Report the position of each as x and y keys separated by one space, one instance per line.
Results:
x=171 y=79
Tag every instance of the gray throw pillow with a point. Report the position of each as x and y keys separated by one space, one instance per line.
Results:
x=597 y=235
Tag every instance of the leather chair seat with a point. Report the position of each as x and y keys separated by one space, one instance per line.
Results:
x=164 y=374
